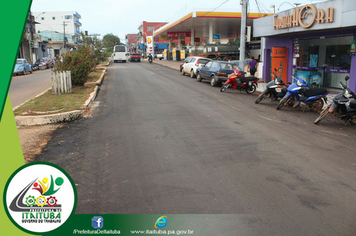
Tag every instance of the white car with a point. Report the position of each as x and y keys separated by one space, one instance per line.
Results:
x=191 y=65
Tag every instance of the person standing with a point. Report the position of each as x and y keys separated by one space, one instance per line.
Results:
x=252 y=66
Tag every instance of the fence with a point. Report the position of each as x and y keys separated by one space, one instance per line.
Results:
x=61 y=82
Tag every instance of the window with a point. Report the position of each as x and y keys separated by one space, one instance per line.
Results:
x=323 y=61
x=120 y=49
x=67 y=17
x=42 y=18
x=193 y=60
x=208 y=64
x=150 y=28
x=215 y=65
x=53 y=18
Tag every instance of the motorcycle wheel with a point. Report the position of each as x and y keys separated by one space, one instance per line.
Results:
x=224 y=87
x=261 y=97
x=251 y=90
x=281 y=103
x=322 y=116
x=317 y=105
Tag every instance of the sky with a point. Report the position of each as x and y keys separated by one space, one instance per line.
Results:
x=121 y=17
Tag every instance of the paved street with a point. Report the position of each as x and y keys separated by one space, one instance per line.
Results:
x=162 y=143
x=24 y=87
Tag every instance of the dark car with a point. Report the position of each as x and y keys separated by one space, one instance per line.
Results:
x=134 y=57
x=47 y=61
x=216 y=71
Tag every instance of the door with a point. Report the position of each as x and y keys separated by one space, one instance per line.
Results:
x=205 y=70
x=189 y=65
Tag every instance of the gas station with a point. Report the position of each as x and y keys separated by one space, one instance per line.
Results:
x=212 y=34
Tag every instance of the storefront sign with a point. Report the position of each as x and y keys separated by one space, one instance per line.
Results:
x=149 y=44
x=305 y=17
x=322 y=68
x=216 y=38
x=353 y=48
x=178 y=34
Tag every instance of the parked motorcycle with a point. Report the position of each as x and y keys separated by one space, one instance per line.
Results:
x=248 y=84
x=342 y=107
x=275 y=89
x=312 y=99
x=42 y=66
x=35 y=66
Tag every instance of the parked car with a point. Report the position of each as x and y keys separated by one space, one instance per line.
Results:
x=159 y=56
x=22 y=67
x=47 y=61
x=182 y=63
x=134 y=57
x=216 y=71
x=190 y=67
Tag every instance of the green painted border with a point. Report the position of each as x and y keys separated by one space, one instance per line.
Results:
x=15 y=14
x=32 y=164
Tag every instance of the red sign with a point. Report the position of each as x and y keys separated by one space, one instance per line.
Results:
x=178 y=34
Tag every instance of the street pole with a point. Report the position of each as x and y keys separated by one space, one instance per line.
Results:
x=243 y=33
x=64 y=36
x=31 y=42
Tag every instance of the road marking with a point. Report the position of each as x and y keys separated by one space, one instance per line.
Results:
x=270 y=119
x=329 y=132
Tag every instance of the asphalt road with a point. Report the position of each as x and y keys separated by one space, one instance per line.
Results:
x=25 y=87
x=159 y=142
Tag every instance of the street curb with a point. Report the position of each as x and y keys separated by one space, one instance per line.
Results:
x=49 y=119
x=60 y=117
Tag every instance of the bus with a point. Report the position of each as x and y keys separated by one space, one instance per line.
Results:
x=120 y=53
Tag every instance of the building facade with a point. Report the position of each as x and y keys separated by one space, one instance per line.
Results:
x=30 y=41
x=131 y=42
x=147 y=29
x=66 y=23
x=319 y=42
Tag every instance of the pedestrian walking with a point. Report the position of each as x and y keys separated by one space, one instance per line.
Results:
x=252 y=66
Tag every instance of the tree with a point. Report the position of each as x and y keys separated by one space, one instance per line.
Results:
x=110 y=40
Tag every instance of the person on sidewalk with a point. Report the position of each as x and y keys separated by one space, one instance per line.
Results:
x=252 y=66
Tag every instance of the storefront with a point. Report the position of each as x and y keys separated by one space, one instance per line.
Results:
x=317 y=40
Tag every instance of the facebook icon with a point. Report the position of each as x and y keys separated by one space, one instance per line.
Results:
x=97 y=222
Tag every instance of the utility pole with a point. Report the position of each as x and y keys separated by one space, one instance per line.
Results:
x=64 y=36
x=243 y=32
x=31 y=41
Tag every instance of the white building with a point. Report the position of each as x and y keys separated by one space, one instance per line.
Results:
x=58 y=21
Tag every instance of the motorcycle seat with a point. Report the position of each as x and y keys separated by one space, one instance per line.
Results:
x=246 y=79
x=314 y=91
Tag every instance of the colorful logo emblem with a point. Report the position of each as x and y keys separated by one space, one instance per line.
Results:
x=97 y=222
x=39 y=197
x=161 y=222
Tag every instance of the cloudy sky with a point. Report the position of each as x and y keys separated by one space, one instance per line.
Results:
x=122 y=17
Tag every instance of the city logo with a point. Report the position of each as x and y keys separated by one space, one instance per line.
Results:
x=161 y=222
x=97 y=222
x=39 y=197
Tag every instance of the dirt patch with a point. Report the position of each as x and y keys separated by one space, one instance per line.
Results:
x=34 y=138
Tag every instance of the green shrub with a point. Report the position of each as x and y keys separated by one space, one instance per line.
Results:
x=80 y=62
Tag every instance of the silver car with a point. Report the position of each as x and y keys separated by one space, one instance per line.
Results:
x=22 y=67
x=191 y=65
